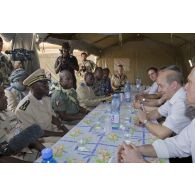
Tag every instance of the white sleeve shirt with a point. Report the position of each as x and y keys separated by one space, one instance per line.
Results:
x=152 y=89
x=174 y=111
x=182 y=145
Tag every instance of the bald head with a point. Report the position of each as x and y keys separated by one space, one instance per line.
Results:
x=169 y=82
x=171 y=76
x=66 y=80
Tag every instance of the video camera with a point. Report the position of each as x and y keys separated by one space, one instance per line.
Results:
x=20 y=54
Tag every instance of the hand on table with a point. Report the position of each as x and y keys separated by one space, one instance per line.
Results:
x=136 y=105
x=129 y=154
x=142 y=116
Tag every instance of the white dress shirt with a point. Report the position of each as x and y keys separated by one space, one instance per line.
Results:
x=152 y=89
x=174 y=111
x=182 y=145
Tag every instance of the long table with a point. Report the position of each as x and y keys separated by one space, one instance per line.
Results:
x=90 y=142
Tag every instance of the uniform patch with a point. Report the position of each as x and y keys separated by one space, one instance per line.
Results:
x=25 y=105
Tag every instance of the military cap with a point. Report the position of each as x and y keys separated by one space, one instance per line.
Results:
x=38 y=75
x=19 y=73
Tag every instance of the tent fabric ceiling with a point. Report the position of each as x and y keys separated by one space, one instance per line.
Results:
x=95 y=43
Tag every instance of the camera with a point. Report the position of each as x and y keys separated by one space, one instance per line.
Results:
x=83 y=68
x=20 y=54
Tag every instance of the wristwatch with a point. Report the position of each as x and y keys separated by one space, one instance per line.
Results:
x=145 y=122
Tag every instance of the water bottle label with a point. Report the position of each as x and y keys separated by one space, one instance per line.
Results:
x=115 y=118
x=127 y=95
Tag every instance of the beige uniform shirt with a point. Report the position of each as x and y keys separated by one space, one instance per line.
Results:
x=87 y=98
x=32 y=111
x=14 y=97
x=118 y=81
x=9 y=126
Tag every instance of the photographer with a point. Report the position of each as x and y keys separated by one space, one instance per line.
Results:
x=67 y=62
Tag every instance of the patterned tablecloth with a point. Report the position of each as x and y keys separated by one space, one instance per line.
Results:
x=89 y=141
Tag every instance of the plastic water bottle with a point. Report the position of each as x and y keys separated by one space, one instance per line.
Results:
x=115 y=113
x=47 y=156
x=108 y=124
x=127 y=91
x=138 y=83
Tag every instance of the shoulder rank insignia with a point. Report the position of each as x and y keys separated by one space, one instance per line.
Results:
x=25 y=105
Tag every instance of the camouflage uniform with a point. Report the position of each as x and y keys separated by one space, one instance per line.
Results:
x=99 y=88
x=65 y=100
x=118 y=81
x=89 y=66
x=87 y=98
x=5 y=70
x=69 y=63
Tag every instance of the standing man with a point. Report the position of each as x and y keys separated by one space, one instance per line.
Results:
x=67 y=62
x=182 y=145
x=86 y=65
x=5 y=67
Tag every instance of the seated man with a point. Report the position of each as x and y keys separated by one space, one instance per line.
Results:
x=154 y=99
x=153 y=74
x=106 y=81
x=36 y=107
x=182 y=145
x=86 y=96
x=119 y=79
x=17 y=91
x=13 y=139
x=64 y=100
x=170 y=85
x=98 y=86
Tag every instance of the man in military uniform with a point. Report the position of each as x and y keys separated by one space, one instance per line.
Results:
x=5 y=67
x=16 y=91
x=36 y=108
x=86 y=65
x=106 y=81
x=118 y=80
x=67 y=62
x=86 y=96
x=9 y=127
x=65 y=102
x=99 y=86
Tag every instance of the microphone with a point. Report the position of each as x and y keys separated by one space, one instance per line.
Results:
x=24 y=138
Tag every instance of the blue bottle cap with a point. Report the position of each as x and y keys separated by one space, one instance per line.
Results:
x=46 y=153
